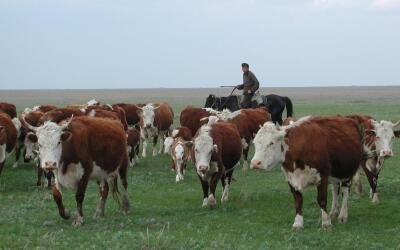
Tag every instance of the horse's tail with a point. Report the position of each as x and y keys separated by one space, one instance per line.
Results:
x=289 y=106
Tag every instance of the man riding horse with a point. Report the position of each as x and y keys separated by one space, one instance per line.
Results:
x=250 y=86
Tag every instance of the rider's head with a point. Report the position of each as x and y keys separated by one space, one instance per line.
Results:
x=245 y=67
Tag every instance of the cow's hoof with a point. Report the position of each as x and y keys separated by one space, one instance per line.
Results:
x=15 y=165
x=179 y=178
x=342 y=218
x=211 y=201
x=334 y=213
x=375 y=198
x=205 y=203
x=65 y=214
x=78 y=221
x=297 y=226
x=99 y=214
x=327 y=225
x=224 y=199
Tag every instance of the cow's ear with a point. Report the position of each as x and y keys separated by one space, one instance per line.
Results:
x=139 y=112
x=32 y=137
x=215 y=148
x=66 y=136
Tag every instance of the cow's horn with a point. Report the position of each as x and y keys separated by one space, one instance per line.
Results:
x=27 y=125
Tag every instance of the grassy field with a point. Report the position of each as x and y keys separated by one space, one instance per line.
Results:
x=166 y=215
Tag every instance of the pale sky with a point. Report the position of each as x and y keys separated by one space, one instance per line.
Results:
x=187 y=43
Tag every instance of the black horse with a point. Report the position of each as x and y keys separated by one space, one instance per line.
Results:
x=274 y=103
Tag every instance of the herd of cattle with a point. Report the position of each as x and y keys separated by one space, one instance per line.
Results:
x=77 y=143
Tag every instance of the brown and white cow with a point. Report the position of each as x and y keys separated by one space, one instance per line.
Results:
x=60 y=114
x=133 y=145
x=131 y=112
x=216 y=149
x=9 y=109
x=378 y=138
x=85 y=148
x=313 y=151
x=155 y=123
x=183 y=132
x=248 y=122
x=179 y=151
x=8 y=138
x=191 y=117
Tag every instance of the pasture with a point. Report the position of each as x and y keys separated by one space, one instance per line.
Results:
x=166 y=215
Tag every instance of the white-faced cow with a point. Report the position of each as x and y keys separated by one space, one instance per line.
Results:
x=8 y=138
x=85 y=148
x=378 y=138
x=180 y=154
x=313 y=151
x=155 y=123
x=216 y=149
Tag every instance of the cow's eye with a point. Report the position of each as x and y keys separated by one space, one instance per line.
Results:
x=59 y=142
x=271 y=143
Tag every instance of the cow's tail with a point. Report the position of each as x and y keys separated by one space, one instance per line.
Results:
x=118 y=185
x=289 y=106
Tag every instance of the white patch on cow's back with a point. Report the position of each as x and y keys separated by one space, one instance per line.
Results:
x=35 y=108
x=92 y=113
x=212 y=119
x=299 y=179
x=92 y=102
x=297 y=123
x=212 y=111
x=226 y=114
x=175 y=132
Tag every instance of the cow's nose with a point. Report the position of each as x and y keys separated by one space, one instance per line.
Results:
x=387 y=153
x=203 y=169
x=256 y=164
x=148 y=125
x=50 y=165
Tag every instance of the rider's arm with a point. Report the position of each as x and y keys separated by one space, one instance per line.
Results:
x=240 y=86
x=256 y=84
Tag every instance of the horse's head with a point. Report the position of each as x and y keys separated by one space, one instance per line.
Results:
x=211 y=102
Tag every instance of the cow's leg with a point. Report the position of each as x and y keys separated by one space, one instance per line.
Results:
x=357 y=183
x=57 y=196
x=213 y=186
x=345 y=200
x=322 y=201
x=144 y=150
x=226 y=181
x=155 y=139
x=39 y=175
x=137 y=149
x=373 y=182
x=179 y=172
x=245 y=144
x=132 y=161
x=80 y=196
x=298 y=203
x=335 y=200
x=123 y=174
x=205 y=186
x=103 y=191
x=17 y=154
x=161 y=139
x=2 y=165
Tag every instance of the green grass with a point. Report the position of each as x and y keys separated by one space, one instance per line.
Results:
x=166 y=215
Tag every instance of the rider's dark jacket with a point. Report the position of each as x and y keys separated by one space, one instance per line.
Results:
x=250 y=82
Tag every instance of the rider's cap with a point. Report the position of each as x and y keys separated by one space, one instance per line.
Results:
x=245 y=65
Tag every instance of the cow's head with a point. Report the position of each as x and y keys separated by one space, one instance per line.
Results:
x=167 y=144
x=384 y=134
x=49 y=138
x=204 y=148
x=147 y=115
x=270 y=147
x=3 y=141
x=31 y=147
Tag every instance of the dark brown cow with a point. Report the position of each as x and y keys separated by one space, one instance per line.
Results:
x=132 y=117
x=248 y=122
x=313 y=150
x=190 y=117
x=156 y=123
x=82 y=149
x=60 y=114
x=9 y=109
x=8 y=138
x=216 y=150
x=133 y=145
x=107 y=111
